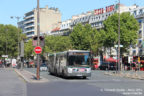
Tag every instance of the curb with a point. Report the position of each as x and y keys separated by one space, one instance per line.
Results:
x=131 y=76
x=22 y=76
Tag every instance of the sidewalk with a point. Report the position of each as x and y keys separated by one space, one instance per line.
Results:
x=10 y=83
x=30 y=77
x=128 y=74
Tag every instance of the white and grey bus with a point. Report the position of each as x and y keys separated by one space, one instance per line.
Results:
x=70 y=63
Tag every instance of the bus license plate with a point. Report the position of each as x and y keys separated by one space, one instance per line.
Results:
x=82 y=70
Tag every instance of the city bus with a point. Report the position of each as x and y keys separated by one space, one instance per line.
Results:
x=70 y=63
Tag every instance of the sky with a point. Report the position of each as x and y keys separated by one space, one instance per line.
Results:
x=68 y=8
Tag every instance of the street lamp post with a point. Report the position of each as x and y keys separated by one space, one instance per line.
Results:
x=17 y=18
x=12 y=17
x=6 y=40
x=119 y=37
x=6 y=47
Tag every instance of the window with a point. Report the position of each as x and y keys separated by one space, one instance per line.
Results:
x=135 y=13
x=77 y=60
x=140 y=11
x=92 y=19
x=30 y=33
x=140 y=32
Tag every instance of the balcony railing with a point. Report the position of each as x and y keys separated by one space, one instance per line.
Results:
x=26 y=17
x=29 y=21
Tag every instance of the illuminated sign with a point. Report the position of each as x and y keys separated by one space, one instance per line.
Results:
x=102 y=10
x=78 y=53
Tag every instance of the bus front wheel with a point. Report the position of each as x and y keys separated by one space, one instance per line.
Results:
x=84 y=77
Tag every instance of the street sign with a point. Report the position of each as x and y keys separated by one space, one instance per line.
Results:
x=5 y=56
x=117 y=45
x=38 y=50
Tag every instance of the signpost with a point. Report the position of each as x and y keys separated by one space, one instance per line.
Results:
x=38 y=42
x=117 y=45
x=118 y=57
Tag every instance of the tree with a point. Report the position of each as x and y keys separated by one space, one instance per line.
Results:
x=97 y=41
x=8 y=41
x=84 y=37
x=128 y=30
x=56 y=44
x=80 y=37
x=29 y=49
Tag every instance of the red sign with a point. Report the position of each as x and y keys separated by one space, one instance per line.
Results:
x=102 y=10
x=38 y=50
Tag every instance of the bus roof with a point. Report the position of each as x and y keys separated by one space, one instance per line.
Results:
x=78 y=51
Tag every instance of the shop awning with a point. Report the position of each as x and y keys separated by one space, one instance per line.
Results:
x=111 y=60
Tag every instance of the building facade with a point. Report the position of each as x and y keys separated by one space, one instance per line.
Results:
x=138 y=49
x=98 y=16
x=49 y=17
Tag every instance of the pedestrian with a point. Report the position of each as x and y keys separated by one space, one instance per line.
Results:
x=14 y=63
x=0 y=63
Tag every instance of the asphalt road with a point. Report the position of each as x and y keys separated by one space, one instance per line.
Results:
x=97 y=85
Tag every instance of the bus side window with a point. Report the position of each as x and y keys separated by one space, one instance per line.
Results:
x=63 y=60
x=89 y=61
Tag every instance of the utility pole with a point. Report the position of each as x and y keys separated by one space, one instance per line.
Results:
x=6 y=47
x=6 y=41
x=119 y=37
x=38 y=42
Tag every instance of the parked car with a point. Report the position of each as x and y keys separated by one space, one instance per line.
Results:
x=43 y=67
x=108 y=66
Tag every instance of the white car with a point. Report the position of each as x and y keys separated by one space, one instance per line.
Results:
x=43 y=67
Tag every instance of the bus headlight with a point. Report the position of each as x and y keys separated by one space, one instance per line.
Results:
x=69 y=70
x=88 y=70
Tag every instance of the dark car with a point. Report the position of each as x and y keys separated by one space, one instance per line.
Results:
x=108 y=66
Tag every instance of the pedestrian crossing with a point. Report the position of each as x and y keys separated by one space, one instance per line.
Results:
x=5 y=70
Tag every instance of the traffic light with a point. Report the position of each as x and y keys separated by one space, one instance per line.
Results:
x=42 y=41
x=34 y=41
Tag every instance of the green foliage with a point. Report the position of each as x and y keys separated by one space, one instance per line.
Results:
x=128 y=30
x=80 y=37
x=56 y=44
x=111 y=29
x=84 y=37
x=97 y=40
x=28 y=49
x=8 y=41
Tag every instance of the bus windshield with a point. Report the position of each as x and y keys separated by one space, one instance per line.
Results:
x=78 y=60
